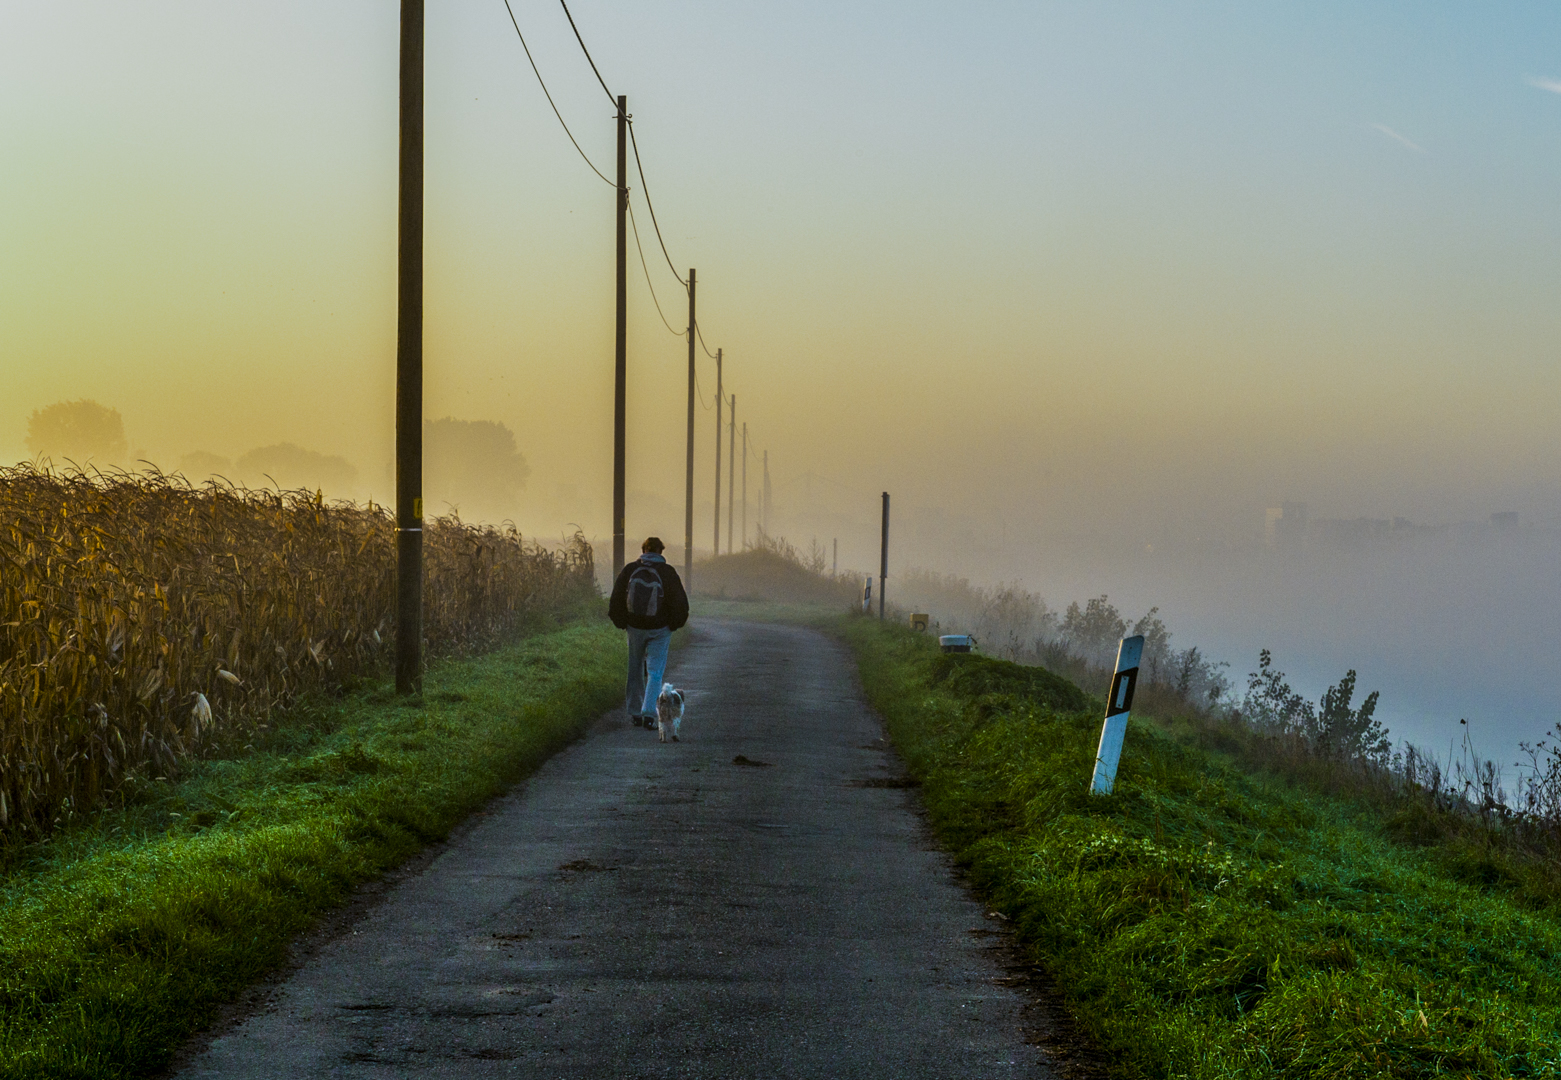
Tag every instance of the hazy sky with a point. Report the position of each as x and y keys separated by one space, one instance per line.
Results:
x=1054 y=268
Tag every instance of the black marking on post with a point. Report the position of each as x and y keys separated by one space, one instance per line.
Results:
x=1122 y=687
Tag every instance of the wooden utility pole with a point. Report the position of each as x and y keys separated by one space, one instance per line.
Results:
x=883 y=557
x=731 y=475
x=409 y=360
x=621 y=371
x=716 y=550
x=688 y=487
x=745 y=484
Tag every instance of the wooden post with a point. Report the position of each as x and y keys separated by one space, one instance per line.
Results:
x=409 y=360
x=731 y=475
x=621 y=366
x=716 y=550
x=688 y=486
x=883 y=557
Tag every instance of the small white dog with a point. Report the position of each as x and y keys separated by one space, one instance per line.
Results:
x=669 y=711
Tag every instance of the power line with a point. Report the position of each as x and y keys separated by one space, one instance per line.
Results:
x=636 y=228
x=549 y=96
x=644 y=190
x=639 y=166
x=588 y=59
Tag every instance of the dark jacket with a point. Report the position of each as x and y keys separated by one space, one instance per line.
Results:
x=674 y=601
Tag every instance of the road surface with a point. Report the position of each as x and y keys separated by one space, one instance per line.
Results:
x=645 y=910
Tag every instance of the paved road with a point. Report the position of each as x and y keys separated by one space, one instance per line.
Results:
x=639 y=910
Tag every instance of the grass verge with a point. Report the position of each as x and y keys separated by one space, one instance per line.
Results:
x=1204 y=922
x=123 y=935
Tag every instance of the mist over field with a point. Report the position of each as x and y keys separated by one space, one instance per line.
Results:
x=1088 y=287
x=1448 y=620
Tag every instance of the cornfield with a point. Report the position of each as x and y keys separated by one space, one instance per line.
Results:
x=142 y=620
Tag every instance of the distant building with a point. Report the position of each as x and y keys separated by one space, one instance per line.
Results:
x=1285 y=526
x=1352 y=532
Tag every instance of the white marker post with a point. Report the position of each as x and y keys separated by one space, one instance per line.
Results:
x=1118 y=706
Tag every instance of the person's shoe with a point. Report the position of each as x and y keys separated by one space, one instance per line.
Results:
x=638 y=721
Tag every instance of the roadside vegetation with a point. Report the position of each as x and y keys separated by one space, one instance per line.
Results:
x=1264 y=894
x=770 y=570
x=124 y=931
x=145 y=623
x=199 y=753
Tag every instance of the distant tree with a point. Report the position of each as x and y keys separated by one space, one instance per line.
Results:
x=79 y=431
x=199 y=465
x=473 y=466
x=817 y=558
x=1199 y=679
x=1331 y=728
x=1092 y=632
x=291 y=466
x=1351 y=734
x=1012 y=621
x=1156 y=659
x=1270 y=704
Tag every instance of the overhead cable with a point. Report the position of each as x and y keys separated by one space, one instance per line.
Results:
x=549 y=96
x=702 y=344
x=652 y=206
x=587 y=52
x=635 y=226
x=638 y=164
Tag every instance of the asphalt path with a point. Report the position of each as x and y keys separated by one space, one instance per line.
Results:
x=637 y=909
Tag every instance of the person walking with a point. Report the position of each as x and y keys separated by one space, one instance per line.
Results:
x=649 y=602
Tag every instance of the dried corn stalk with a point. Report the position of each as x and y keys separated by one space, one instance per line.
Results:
x=125 y=598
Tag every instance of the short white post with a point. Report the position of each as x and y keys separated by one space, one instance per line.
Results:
x=1118 y=705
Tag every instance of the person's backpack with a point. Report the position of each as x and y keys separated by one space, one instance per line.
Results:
x=644 y=592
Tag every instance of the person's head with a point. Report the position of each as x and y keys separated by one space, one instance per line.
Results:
x=653 y=545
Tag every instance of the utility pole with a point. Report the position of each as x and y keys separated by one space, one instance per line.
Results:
x=766 y=496
x=688 y=487
x=621 y=369
x=409 y=360
x=745 y=485
x=883 y=557
x=715 y=551
x=834 y=570
x=731 y=475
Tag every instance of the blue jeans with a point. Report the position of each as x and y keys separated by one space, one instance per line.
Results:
x=647 y=666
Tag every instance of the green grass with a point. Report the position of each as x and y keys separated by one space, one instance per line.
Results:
x=1205 y=922
x=123 y=935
